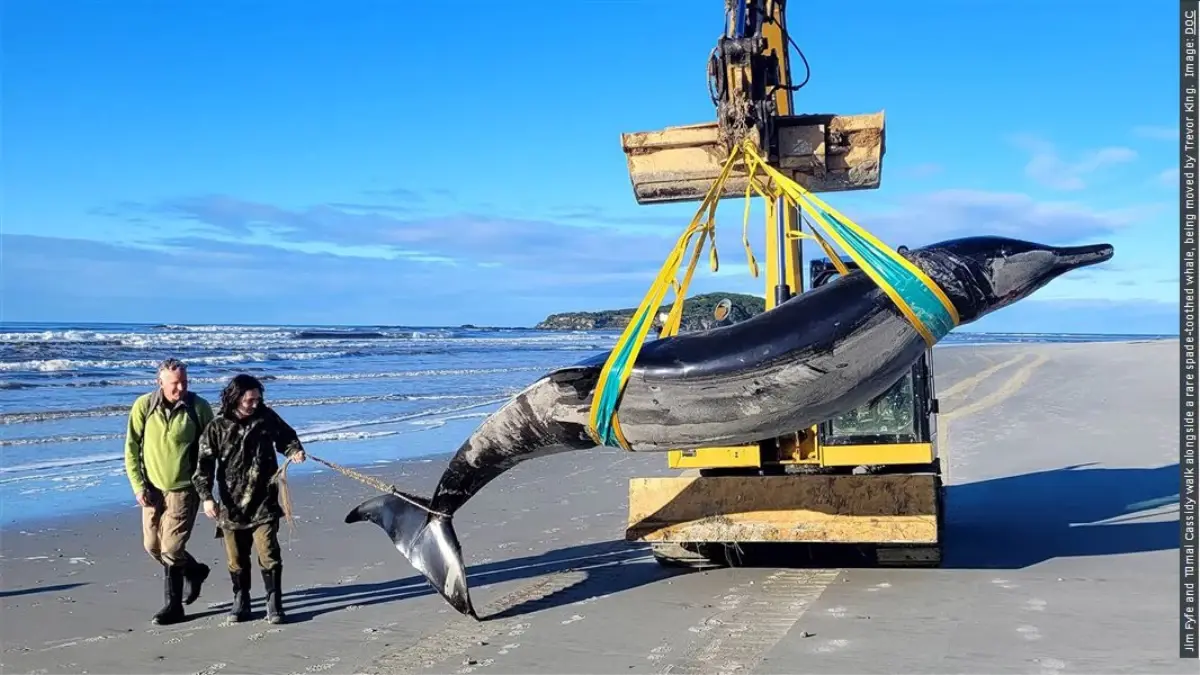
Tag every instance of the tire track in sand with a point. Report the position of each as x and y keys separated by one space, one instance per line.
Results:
x=1011 y=386
x=463 y=633
x=738 y=638
x=1005 y=391
x=968 y=384
x=741 y=636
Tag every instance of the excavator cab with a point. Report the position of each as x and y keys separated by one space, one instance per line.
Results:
x=816 y=487
x=903 y=416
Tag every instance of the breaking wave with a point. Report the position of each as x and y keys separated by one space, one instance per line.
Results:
x=282 y=377
x=315 y=434
x=117 y=410
x=74 y=365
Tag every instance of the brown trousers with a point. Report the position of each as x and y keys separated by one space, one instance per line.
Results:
x=167 y=526
x=263 y=538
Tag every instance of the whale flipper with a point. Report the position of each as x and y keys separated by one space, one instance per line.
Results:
x=425 y=539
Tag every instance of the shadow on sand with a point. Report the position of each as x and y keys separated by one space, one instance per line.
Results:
x=33 y=590
x=609 y=567
x=1000 y=523
x=1019 y=521
x=1075 y=511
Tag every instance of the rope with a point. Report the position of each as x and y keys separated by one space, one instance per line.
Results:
x=285 y=499
x=281 y=478
x=918 y=298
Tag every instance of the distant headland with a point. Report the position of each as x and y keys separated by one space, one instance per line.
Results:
x=698 y=314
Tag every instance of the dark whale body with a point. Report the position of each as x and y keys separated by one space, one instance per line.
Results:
x=814 y=357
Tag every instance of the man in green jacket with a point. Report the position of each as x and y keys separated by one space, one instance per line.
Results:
x=161 y=447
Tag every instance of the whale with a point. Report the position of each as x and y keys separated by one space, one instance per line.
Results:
x=818 y=355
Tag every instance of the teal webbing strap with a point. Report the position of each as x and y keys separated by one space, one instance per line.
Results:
x=608 y=396
x=928 y=309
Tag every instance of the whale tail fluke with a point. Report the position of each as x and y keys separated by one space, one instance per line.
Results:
x=426 y=540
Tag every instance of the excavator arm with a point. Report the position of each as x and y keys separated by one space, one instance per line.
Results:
x=751 y=88
x=748 y=70
x=858 y=479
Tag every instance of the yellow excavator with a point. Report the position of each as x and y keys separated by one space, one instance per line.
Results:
x=871 y=477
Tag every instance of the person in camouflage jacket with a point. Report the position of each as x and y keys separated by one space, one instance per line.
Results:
x=238 y=453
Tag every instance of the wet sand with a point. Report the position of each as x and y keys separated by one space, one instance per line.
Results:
x=1061 y=556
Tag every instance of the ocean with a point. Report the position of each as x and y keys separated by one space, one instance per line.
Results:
x=357 y=395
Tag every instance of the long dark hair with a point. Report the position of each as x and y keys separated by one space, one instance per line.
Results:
x=232 y=394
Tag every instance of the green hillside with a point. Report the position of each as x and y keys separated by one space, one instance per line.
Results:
x=697 y=314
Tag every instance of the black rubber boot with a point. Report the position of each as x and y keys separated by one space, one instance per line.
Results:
x=272 y=579
x=240 y=609
x=197 y=572
x=172 y=611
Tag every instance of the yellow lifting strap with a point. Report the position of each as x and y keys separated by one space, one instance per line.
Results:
x=603 y=425
x=921 y=301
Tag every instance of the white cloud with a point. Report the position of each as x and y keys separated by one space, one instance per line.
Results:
x=947 y=214
x=1094 y=315
x=330 y=254
x=77 y=280
x=536 y=246
x=1048 y=168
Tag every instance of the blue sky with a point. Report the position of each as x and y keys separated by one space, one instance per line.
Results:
x=322 y=162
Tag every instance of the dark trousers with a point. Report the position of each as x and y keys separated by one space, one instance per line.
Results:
x=264 y=539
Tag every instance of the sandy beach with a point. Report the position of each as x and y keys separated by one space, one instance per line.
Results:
x=1062 y=537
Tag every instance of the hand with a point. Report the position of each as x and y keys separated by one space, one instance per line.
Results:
x=298 y=456
x=210 y=509
x=144 y=498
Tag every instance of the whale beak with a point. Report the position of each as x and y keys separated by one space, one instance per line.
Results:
x=1074 y=257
